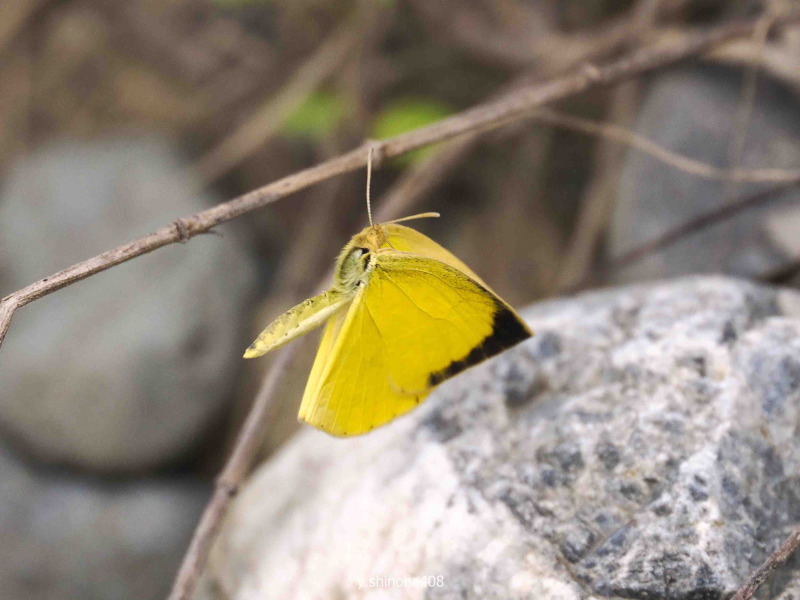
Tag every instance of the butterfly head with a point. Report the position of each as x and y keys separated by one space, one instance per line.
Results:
x=354 y=261
x=355 y=258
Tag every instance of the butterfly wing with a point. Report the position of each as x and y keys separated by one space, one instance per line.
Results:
x=298 y=321
x=416 y=322
x=405 y=239
x=324 y=354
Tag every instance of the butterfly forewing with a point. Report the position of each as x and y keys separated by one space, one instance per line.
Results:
x=405 y=239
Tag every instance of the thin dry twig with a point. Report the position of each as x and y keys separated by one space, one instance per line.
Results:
x=775 y=560
x=420 y=178
x=598 y=201
x=779 y=62
x=235 y=470
x=513 y=107
x=747 y=102
x=783 y=275
x=673 y=159
x=726 y=211
x=269 y=118
x=526 y=38
x=685 y=229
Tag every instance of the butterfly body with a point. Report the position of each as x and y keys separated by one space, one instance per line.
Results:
x=403 y=314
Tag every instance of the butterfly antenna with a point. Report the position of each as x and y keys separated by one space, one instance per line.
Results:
x=369 y=184
x=419 y=216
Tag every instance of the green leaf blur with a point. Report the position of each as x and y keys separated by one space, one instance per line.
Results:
x=407 y=114
x=316 y=117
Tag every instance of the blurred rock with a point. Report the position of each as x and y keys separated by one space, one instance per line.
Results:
x=692 y=111
x=66 y=538
x=128 y=369
x=641 y=445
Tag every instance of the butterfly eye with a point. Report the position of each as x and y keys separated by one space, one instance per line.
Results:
x=353 y=265
x=361 y=257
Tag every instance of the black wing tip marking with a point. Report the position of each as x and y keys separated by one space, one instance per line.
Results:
x=507 y=331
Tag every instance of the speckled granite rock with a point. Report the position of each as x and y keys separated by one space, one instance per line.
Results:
x=641 y=445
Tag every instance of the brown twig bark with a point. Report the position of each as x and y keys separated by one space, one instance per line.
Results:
x=775 y=560
x=783 y=275
x=779 y=62
x=744 y=112
x=513 y=107
x=526 y=38
x=726 y=211
x=228 y=482
x=598 y=201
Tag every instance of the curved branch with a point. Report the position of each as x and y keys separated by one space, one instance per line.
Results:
x=765 y=571
x=515 y=106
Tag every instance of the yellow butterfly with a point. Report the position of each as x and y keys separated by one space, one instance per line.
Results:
x=402 y=316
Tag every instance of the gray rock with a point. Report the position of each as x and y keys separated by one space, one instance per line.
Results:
x=641 y=445
x=67 y=537
x=128 y=369
x=692 y=111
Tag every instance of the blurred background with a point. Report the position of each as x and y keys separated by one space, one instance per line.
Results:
x=120 y=396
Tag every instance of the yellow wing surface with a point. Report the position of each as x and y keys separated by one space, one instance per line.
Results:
x=405 y=239
x=299 y=320
x=415 y=322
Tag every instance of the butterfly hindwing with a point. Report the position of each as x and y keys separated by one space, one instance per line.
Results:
x=415 y=322
x=324 y=354
x=347 y=392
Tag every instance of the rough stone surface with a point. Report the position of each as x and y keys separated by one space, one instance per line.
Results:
x=642 y=445
x=66 y=537
x=691 y=111
x=129 y=368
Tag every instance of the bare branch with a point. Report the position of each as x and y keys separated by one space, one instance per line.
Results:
x=682 y=163
x=270 y=116
x=227 y=484
x=747 y=101
x=698 y=223
x=778 y=61
x=515 y=106
x=598 y=197
x=723 y=212
x=776 y=559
